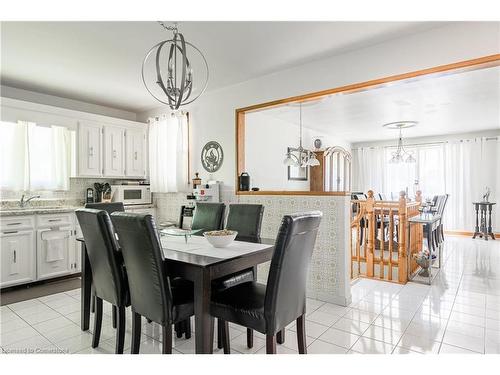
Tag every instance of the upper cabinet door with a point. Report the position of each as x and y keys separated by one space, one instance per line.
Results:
x=136 y=150
x=114 y=151
x=89 y=149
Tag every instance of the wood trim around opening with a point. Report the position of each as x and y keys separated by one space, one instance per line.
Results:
x=457 y=67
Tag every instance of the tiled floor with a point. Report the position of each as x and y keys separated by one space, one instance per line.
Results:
x=459 y=313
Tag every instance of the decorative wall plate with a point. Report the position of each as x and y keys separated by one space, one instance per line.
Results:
x=212 y=156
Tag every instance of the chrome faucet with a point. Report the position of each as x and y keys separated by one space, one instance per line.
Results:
x=23 y=202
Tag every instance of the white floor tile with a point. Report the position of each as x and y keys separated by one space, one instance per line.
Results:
x=322 y=318
x=322 y=347
x=362 y=316
x=467 y=342
x=313 y=330
x=450 y=349
x=53 y=324
x=383 y=334
x=421 y=344
x=351 y=326
x=18 y=335
x=339 y=338
x=370 y=346
x=29 y=345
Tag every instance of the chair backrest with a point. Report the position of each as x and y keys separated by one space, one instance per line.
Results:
x=442 y=204
x=246 y=219
x=208 y=216
x=285 y=297
x=107 y=274
x=108 y=207
x=149 y=286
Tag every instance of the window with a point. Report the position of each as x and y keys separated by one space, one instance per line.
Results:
x=34 y=157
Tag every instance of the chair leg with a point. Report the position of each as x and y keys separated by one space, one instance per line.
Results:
x=225 y=335
x=92 y=299
x=178 y=329
x=249 y=338
x=280 y=336
x=167 y=339
x=270 y=344
x=136 y=333
x=219 y=333
x=97 y=322
x=187 y=332
x=120 y=329
x=113 y=315
x=301 y=334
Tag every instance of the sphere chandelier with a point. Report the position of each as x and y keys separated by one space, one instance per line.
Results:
x=168 y=73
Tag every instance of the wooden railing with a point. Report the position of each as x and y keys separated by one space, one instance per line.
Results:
x=379 y=238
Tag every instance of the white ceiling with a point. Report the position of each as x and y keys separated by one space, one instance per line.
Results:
x=455 y=103
x=100 y=62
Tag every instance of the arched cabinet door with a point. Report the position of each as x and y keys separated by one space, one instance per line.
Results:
x=337 y=169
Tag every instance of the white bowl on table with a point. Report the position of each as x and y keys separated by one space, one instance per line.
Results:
x=220 y=238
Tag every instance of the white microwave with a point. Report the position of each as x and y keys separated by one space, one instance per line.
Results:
x=131 y=194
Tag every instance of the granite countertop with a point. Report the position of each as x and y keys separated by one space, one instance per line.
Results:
x=40 y=210
x=37 y=210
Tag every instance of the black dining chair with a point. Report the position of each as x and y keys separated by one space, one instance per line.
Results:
x=153 y=294
x=270 y=308
x=108 y=274
x=208 y=216
x=246 y=219
x=109 y=207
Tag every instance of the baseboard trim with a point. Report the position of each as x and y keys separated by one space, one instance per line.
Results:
x=463 y=233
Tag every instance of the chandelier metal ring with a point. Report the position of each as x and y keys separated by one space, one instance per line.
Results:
x=174 y=101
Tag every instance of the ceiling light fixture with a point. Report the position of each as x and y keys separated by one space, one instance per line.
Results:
x=170 y=74
x=401 y=155
x=299 y=156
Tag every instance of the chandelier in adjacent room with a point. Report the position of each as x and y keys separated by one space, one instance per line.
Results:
x=401 y=155
x=300 y=157
x=168 y=70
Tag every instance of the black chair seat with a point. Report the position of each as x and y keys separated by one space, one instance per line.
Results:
x=242 y=304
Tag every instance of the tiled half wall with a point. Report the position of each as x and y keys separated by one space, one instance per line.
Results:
x=328 y=277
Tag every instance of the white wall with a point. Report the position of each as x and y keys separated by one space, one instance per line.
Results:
x=56 y=101
x=266 y=142
x=213 y=114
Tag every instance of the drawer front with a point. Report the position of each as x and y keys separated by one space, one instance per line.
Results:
x=17 y=255
x=10 y=223
x=54 y=220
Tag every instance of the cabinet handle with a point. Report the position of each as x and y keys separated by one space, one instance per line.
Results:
x=114 y=154
x=10 y=232
x=51 y=220
x=14 y=223
x=135 y=155
x=91 y=151
x=15 y=256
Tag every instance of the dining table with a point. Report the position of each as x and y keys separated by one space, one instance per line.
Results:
x=198 y=261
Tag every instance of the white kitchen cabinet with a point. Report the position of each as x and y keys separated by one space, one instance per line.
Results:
x=53 y=255
x=89 y=149
x=114 y=151
x=18 y=254
x=135 y=153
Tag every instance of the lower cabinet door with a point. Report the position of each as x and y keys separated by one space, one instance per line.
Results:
x=18 y=254
x=53 y=252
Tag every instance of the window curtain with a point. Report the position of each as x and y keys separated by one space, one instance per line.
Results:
x=34 y=157
x=368 y=169
x=471 y=165
x=14 y=162
x=168 y=153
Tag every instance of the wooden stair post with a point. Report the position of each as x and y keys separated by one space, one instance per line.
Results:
x=402 y=233
x=370 y=235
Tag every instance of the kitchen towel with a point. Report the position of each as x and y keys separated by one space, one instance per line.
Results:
x=54 y=244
